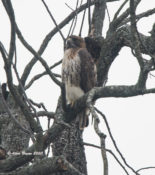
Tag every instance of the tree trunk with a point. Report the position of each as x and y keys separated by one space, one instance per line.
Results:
x=70 y=144
x=12 y=138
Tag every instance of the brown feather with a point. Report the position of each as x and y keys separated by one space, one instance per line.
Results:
x=88 y=72
x=78 y=73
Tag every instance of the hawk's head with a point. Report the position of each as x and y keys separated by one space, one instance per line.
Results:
x=75 y=42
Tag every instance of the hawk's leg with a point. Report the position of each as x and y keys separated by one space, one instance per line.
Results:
x=72 y=103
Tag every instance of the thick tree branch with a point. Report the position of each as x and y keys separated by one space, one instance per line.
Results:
x=111 y=46
x=46 y=113
x=134 y=34
x=136 y=44
x=108 y=91
x=146 y=41
x=98 y=18
x=47 y=166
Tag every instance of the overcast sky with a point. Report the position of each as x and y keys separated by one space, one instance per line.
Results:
x=131 y=120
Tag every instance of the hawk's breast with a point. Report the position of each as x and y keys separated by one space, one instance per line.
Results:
x=71 y=68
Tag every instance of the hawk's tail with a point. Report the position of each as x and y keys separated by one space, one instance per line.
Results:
x=83 y=119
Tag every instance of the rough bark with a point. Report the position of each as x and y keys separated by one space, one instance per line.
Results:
x=12 y=138
x=46 y=166
x=98 y=18
x=70 y=144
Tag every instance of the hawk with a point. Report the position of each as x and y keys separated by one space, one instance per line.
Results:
x=78 y=74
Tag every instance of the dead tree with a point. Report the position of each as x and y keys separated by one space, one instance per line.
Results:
x=19 y=115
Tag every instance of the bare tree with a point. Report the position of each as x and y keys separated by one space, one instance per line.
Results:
x=20 y=115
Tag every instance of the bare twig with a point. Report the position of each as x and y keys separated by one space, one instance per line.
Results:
x=113 y=140
x=101 y=135
x=22 y=89
x=10 y=12
x=54 y=21
x=48 y=126
x=3 y=48
x=43 y=62
x=69 y=32
x=145 y=168
x=151 y=75
x=72 y=23
x=118 y=11
x=92 y=145
x=118 y=161
x=42 y=113
x=3 y=52
x=102 y=140
x=69 y=6
x=89 y=16
x=36 y=77
x=83 y=18
x=109 y=151
x=108 y=14
x=25 y=111
x=75 y=19
x=38 y=105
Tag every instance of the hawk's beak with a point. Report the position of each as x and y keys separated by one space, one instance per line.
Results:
x=69 y=44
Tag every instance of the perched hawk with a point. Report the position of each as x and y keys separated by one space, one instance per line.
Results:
x=78 y=73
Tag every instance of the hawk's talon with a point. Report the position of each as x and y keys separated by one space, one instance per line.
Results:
x=72 y=104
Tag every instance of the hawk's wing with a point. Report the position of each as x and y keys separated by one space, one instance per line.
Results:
x=88 y=70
